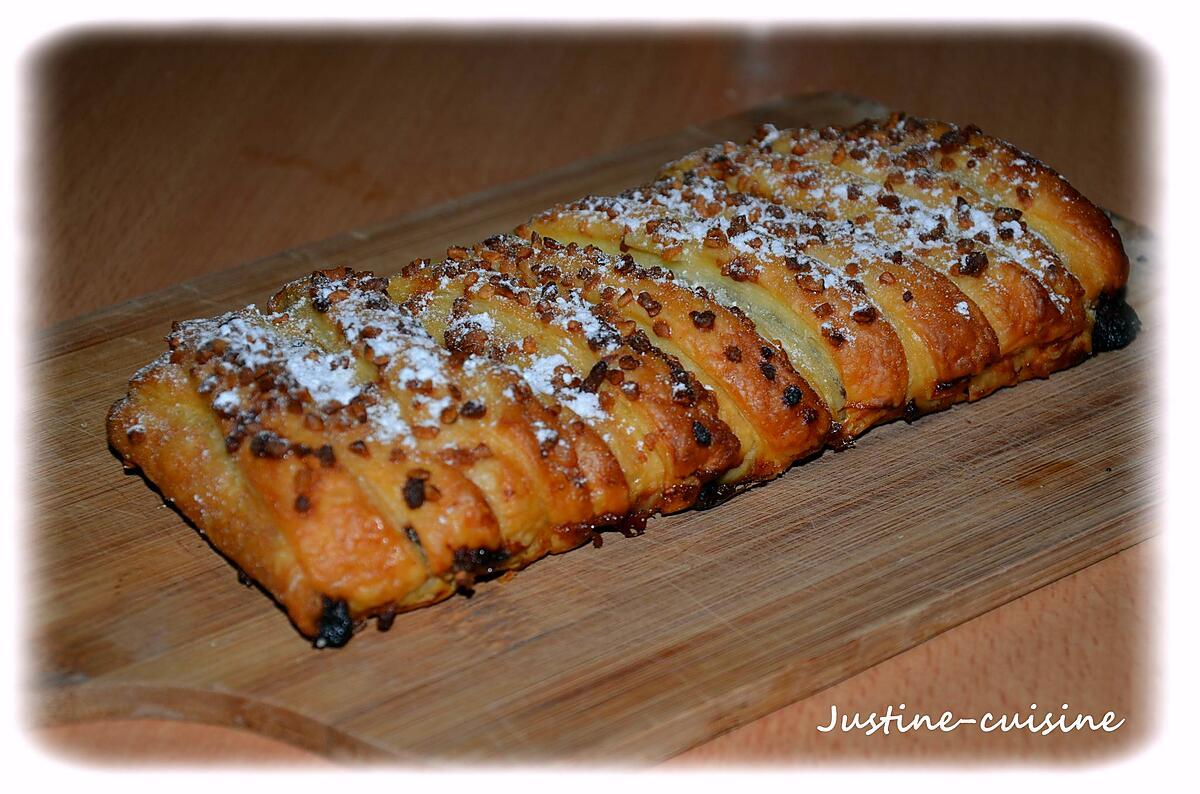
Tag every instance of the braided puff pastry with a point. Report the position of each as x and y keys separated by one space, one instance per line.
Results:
x=362 y=446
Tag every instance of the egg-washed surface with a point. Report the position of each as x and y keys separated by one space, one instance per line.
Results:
x=363 y=446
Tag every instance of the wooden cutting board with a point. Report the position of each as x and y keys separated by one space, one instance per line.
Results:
x=633 y=651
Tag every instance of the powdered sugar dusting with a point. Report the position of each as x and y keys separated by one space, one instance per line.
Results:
x=552 y=376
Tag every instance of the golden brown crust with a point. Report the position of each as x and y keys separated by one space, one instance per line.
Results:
x=661 y=423
x=695 y=231
x=900 y=181
x=907 y=149
x=365 y=446
x=164 y=428
x=776 y=415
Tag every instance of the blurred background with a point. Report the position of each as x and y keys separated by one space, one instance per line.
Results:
x=160 y=156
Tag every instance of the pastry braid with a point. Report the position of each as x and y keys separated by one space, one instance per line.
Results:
x=363 y=446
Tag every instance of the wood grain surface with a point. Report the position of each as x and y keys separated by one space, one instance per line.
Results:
x=1086 y=640
x=1072 y=639
x=634 y=651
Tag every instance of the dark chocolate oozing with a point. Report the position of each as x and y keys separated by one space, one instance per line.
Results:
x=1117 y=324
x=336 y=628
x=479 y=562
x=713 y=494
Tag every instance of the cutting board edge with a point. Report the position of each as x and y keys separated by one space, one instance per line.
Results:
x=88 y=702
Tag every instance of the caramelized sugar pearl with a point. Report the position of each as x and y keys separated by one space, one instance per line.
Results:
x=648 y=303
x=973 y=263
x=836 y=337
x=594 y=377
x=326 y=457
x=865 y=314
x=739 y=269
x=266 y=444
x=472 y=409
x=810 y=284
x=414 y=492
x=715 y=238
x=936 y=233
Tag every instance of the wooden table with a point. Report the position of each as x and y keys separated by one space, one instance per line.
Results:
x=162 y=160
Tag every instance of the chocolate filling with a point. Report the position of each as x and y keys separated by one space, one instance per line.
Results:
x=1117 y=324
x=713 y=494
x=336 y=628
x=479 y=562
